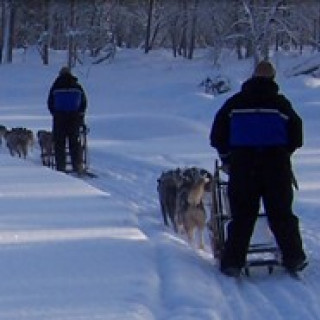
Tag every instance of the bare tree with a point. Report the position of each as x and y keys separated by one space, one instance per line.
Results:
x=85 y=28
x=193 y=29
x=2 y=34
x=260 y=18
x=148 y=29
x=8 y=7
x=71 y=37
x=43 y=39
x=45 y=45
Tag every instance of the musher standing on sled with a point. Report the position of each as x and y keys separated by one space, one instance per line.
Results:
x=67 y=104
x=255 y=133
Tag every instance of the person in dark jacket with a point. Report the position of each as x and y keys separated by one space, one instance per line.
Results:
x=255 y=133
x=67 y=104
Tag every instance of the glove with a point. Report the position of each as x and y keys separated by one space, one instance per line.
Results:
x=81 y=119
x=225 y=159
x=225 y=168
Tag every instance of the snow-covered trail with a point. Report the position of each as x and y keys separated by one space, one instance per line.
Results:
x=189 y=276
x=97 y=249
x=166 y=137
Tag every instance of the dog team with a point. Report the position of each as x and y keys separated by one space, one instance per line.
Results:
x=181 y=196
x=20 y=142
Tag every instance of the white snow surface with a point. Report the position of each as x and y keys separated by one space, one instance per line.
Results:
x=97 y=249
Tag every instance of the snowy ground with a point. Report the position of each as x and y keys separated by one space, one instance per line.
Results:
x=97 y=249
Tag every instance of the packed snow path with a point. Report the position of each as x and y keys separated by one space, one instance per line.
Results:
x=96 y=249
x=72 y=251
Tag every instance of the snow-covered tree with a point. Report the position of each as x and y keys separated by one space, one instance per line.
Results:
x=85 y=28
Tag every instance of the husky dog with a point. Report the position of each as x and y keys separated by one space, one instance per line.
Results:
x=167 y=191
x=3 y=130
x=195 y=215
x=191 y=212
x=181 y=194
x=19 y=141
x=28 y=136
x=45 y=141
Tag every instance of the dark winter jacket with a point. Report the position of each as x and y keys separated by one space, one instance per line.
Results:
x=66 y=95
x=256 y=118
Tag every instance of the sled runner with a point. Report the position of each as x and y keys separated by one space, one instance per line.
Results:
x=48 y=157
x=262 y=251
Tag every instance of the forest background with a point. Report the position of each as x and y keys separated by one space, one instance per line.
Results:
x=91 y=30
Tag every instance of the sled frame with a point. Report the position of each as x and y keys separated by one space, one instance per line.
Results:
x=83 y=133
x=265 y=253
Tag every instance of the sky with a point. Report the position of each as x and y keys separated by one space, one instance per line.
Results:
x=97 y=248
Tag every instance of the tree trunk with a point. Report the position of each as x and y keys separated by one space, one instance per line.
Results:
x=2 y=29
x=174 y=35
x=147 y=47
x=12 y=15
x=45 y=47
x=182 y=50
x=8 y=23
x=71 y=42
x=193 y=29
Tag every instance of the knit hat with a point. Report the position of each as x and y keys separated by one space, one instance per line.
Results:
x=264 y=69
x=64 y=70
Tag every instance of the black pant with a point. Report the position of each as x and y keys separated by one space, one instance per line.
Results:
x=267 y=176
x=66 y=126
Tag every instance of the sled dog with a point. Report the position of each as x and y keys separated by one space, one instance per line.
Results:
x=19 y=141
x=45 y=141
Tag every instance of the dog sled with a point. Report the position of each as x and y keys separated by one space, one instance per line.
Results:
x=48 y=155
x=263 y=250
